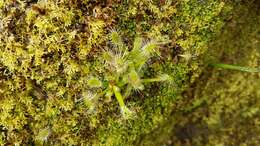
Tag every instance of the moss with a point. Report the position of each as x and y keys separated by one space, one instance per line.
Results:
x=223 y=110
x=51 y=66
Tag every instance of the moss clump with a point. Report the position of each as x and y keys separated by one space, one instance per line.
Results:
x=50 y=63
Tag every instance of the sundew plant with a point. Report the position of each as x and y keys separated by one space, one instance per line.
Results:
x=122 y=72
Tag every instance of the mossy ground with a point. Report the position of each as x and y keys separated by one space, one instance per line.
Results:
x=50 y=50
x=223 y=104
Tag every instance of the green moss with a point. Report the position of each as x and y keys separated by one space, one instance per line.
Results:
x=224 y=108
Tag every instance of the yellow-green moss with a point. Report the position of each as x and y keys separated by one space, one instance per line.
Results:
x=224 y=109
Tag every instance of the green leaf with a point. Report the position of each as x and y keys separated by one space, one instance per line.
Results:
x=236 y=67
x=135 y=80
x=138 y=43
x=125 y=111
x=160 y=78
x=94 y=83
x=117 y=41
x=149 y=49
